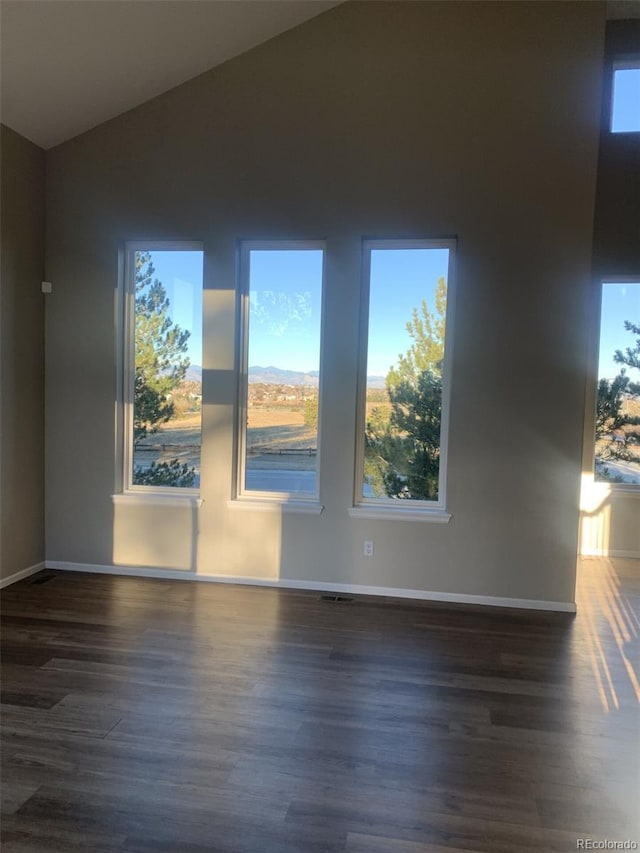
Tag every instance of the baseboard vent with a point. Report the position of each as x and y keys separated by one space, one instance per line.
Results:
x=342 y=599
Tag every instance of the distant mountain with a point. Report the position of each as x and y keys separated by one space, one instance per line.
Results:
x=194 y=373
x=278 y=376
x=376 y=382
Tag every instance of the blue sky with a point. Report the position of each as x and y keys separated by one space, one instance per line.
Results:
x=285 y=309
x=400 y=280
x=181 y=274
x=625 y=114
x=286 y=305
x=286 y=302
x=286 y=292
x=620 y=302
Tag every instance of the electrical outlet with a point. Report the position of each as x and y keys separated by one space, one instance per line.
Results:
x=368 y=548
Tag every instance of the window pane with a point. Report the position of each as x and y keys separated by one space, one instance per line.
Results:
x=625 y=110
x=167 y=383
x=405 y=354
x=618 y=399
x=285 y=305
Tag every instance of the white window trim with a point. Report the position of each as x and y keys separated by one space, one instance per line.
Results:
x=613 y=489
x=390 y=508
x=295 y=501
x=164 y=497
x=150 y=494
x=292 y=504
x=401 y=512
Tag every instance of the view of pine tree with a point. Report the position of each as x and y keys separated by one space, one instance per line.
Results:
x=402 y=442
x=609 y=403
x=165 y=474
x=310 y=412
x=427 y=332
x=160 y=347
x=617 y=427
x=160 y=366
x=631 y=356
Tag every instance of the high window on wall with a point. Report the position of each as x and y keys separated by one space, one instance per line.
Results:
x=617 y=440
x=281 y=318
x=405 y=378
x=163 y=373
x=625 y=97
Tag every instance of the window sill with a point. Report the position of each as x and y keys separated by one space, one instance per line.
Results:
x=433 y=516
x=276 y=505
x=619 y=490
x=165 y=499
x=604 y=490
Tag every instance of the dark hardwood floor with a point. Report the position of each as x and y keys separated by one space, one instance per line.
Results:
x=148 y=715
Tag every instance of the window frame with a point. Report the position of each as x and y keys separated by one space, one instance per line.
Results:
x=294 y=501
x=389 y=507
x=619 y=489
x=621 y=63
x=128 y=371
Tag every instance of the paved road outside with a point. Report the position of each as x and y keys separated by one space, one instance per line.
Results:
x=281 y=480
x=629 y=471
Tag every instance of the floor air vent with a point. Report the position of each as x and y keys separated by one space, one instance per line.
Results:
x=42 y=579
x=342 y=599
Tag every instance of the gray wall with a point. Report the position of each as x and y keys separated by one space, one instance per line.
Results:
x=418 y=119
x=22 y=311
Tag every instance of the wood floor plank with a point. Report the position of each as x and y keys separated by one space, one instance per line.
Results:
x=361 y=843
x=24 y=838
x=151 y=716
x=444 y=829
x=14 y=794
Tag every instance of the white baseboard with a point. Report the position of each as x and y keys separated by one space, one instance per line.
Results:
x=606 y=552
x=320 y=586
x=23 y=573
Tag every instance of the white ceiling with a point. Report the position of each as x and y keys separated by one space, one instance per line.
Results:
x=68 y=65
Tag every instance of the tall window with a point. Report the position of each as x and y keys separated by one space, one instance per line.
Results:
x=625 y=98
x=617 y=453
x=163 y=372
x=404 y=373
x=281 y=285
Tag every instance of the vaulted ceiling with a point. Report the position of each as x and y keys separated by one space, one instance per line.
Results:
x=68 y=65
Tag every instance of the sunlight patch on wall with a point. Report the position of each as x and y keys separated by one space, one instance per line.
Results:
x=156 y=536
x=595 y=516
